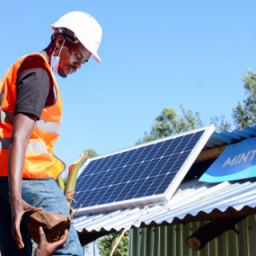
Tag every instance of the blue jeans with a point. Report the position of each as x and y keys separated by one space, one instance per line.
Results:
x=39 y=193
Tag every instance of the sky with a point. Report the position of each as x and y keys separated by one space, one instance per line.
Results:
x=155 y=54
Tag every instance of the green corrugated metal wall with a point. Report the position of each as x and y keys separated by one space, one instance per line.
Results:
x=171 y=241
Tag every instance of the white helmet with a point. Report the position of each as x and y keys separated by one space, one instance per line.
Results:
x=86 y=28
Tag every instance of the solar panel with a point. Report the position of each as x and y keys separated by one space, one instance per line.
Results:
x=139 y=175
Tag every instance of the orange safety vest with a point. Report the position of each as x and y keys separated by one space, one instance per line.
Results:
x=39 y=160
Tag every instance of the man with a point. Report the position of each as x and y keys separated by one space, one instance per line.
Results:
x=31 y=110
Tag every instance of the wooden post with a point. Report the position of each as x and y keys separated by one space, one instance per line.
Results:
x=210 y=231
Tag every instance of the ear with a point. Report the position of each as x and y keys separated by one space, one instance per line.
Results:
x=58 y=44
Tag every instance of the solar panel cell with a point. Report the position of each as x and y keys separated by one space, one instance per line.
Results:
x=146 y=184
x=162 y=150
x=121 y=196
x=139 y=174
x=123 y=193
x=134 y=190
x=135 y=156
x=127 y=157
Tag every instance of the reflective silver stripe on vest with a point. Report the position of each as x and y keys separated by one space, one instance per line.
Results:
x=5 y=143
x=43 y=125
x=49 y=126
x=6 y=117
x=33 y=146
x=36 y=147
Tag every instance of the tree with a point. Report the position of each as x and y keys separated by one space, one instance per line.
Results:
x=220 y=123
x=170 y=123
x=107 y=243
x=245 y=113
x=91 y=153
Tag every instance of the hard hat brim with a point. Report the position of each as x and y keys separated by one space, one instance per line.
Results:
x=96 y=57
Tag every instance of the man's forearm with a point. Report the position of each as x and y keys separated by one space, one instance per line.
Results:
x=22 y=129
x=16 y=159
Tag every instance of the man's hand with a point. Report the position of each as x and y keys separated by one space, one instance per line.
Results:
x=18 y=208
x=47 y=249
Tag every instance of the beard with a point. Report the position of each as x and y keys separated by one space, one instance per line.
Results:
x=61 y=72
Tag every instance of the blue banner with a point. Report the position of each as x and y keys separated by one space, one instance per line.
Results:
x=238 y=161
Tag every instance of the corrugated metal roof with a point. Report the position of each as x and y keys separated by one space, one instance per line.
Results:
x=227 y=137
x=191 y=197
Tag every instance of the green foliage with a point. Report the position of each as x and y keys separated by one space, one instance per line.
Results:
x=169 y=122
x=220 y=123
x=86 y=249
x=91 y=153
x=107 y=243
x=245 y=113
x=34 y=246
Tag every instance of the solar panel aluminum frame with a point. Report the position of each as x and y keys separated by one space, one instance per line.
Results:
x=155 y=198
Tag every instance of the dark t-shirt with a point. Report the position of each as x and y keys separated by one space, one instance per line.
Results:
x=34 y=87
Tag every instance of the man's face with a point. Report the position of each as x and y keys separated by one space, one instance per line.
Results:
x=72 y=56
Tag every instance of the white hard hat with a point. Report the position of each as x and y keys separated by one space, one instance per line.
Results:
x=86 y=28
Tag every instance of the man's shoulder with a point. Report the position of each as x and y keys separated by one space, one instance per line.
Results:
x=32 y=61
